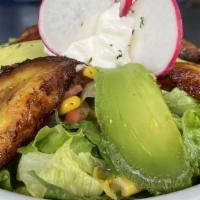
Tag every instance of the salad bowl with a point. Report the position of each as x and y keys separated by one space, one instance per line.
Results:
x=83 y=132
x=187 y=194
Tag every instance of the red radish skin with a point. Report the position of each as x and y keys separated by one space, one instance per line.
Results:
x=55 y=46
x=167 y=39
x=157 y=42
x=125 y=7
x=179 y=40
x=48 y=52
x=41 y=34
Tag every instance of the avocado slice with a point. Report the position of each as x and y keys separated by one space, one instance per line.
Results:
x=20 y=52
x=141 y=136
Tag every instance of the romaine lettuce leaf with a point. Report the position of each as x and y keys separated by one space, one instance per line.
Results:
x=36 y=161
x=21 y=189
x=72 y=171
x=90 y=130
x=191 y=135
x=5 y=180
x=178 y=101
x=48 y=140
x=70 y=168
x=93 y=134
x=186 y=112
x=83 y=146
x=8 y=175
x=57 y=193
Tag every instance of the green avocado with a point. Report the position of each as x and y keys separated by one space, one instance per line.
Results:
x=20 y=52
x=141 y=136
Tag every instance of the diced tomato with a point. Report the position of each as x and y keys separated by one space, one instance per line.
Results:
x=77 y=115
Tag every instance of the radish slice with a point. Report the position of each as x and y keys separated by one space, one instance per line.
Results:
x=46 y=50
x=157 y=38
x=93 y=30
x=64 y=21
x=125 y=7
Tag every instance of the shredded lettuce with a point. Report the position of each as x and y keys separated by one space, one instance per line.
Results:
x=5 y=180
x=62 y=159
x=186 y=112
x=48 y=140
x=36 y=161
x=60 y=162
x=21 y=189
x=93 y=134
x=73 y=170
x=178 y=101
x=191 y=135
x=8 y=176
x=57 y=193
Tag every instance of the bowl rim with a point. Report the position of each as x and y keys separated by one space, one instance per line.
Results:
x=191 y=193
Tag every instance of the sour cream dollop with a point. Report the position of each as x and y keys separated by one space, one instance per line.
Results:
x=109 y=46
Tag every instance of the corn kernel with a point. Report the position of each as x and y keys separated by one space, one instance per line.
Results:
x=106 y=188
x=127 y=187
x=69 y=104
x=90 y=72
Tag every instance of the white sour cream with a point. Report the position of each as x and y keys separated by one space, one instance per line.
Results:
x=109 y=46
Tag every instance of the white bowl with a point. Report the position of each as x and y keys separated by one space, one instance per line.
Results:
x=192 y=193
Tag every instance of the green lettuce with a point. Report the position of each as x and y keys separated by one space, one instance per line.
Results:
x=21 y=189
x=8 y=181
x=178 y=101
x=57 y=193
x=5 y=180
x=70 y=168
x=93 y=134
x=48 y=140
x=186 y=112
x=191 y=135
x=33 y=161
x=8 y=175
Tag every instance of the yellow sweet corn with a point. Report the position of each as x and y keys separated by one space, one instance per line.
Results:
x=90 y=72
x=108 y=190
x=126 y=187
x=69 y=104
x=115 y=185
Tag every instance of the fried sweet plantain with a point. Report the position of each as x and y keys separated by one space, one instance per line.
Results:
x=185 y=76
x=31 y=33
x=29 y=92
x=190 y=52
